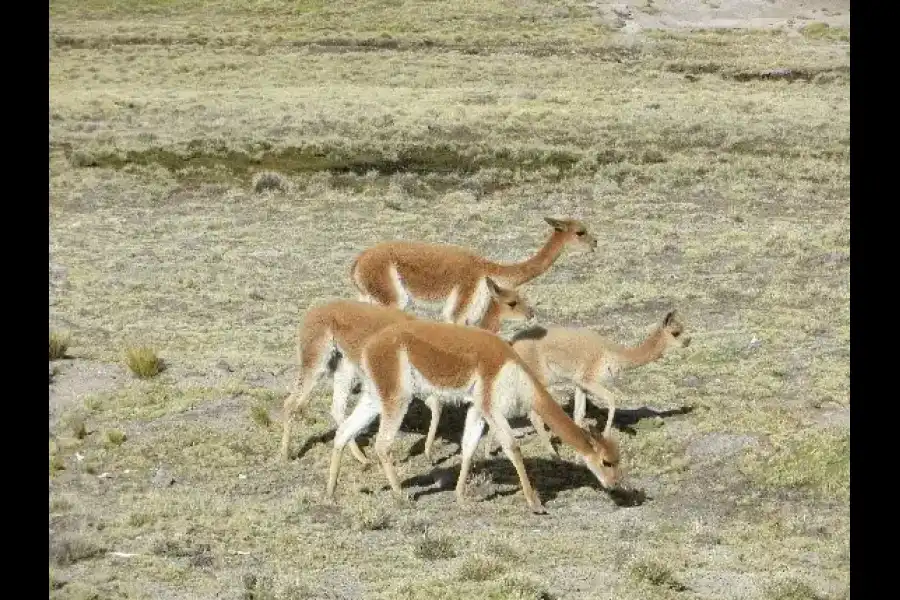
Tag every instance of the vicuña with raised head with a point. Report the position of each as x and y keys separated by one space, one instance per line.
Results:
x=399 y=273
x=590 y=361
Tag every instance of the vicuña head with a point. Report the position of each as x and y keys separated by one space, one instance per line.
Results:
x=511 y=303
x=673 y=331
x=604 y=461
x=574 y=233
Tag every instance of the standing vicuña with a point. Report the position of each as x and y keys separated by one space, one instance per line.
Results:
x=330 y=339
x=426 y=356
x=591 y=361
x=397 y=273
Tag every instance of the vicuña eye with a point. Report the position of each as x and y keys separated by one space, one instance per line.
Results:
x=676 y=333
x=581 y=233
x=606 y=463
x=513 y=304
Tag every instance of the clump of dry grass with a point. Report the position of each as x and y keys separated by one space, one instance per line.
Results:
x=56 y=463
x=78 y=427
x=114 y=437
x=478 y=567
x=368 y=517
x=657 y=574
x=260 y=415
x=68 y=550
x=59 y=344
x=434 y=547
x=516 y=587
x=263 y=587
x=143 y=361
x=270 y=180
x=791 y=589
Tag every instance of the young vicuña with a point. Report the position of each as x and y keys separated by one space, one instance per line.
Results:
x=590 y=361
x=454 y=360
x=330 y=339
x=398 y=273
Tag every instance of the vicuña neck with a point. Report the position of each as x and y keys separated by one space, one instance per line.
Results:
x=516 y=274
x=491 y=318
x=646 y=352
x=560 y=423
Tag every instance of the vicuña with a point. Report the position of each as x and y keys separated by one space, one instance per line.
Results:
x=419 y=356
x=399 y=273
x=590 y=361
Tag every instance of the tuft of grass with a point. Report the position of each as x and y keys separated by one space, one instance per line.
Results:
x=56 y=463
x=517 y=587
x=434 y=547
x=367 y=517
x=477 y=567
x=139 y=519
x=59 y=344
x=260 y=415
x=269 y=180
x=60 y=505
x=502 y=551
x=262 y=587
x=791 y=589
x=115 y=437
x=817 y=461
x=143 y=361
x=78 y=427
x=68 y=550
x=657 y=574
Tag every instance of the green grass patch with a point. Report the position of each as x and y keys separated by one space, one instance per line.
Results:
x=823 y=31
x=817 y=461
x=114 y=437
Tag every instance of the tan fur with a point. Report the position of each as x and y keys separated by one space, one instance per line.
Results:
x=410 y=356
x=336 y=332
x=435 y=272
x=591 y=361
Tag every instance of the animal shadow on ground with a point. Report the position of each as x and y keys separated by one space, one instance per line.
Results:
x=545 y=474
x=627 y=418
x=453 y=420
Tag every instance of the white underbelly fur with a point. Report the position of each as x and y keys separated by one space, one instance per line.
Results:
x=513 y=391
x=477 y=305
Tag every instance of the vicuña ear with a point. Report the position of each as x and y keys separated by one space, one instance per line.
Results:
x=669 y=317
x=493 y=288
x=556 y=223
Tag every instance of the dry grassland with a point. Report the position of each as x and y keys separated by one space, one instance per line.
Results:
x=715 y=183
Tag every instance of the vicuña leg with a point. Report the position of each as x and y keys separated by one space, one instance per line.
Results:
x=435 y=406
x=543 y=432
x=471 y=435
x=599 y=391
x=539 y=428
x=362 y=416
x=344 y=376
x=504 y=433
x=313 y=365
x=391 y=420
